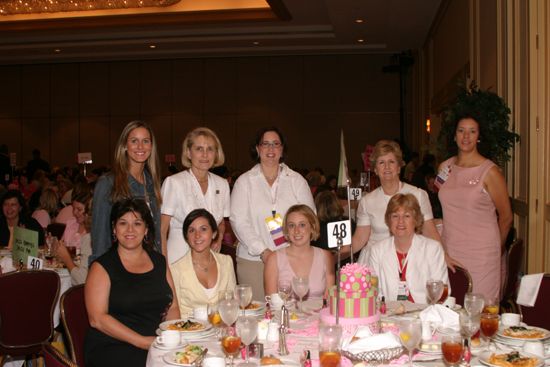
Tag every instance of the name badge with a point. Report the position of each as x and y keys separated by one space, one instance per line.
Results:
x=442 y=176
x=402 y=291
x=275 y=228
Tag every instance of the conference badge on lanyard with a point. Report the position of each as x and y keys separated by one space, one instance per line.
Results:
x=275 y=227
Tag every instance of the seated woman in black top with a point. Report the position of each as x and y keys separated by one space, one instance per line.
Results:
x=14 y=214
x=128 y=291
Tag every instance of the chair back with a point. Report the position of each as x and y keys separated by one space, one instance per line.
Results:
x=461 y=283
x=54 y=358
x=75 y=321
x=26 y=310
x=538 y=315
x=56 y=229
x=514 y=261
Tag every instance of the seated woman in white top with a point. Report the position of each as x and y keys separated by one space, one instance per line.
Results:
x=406 y=260
x=201 y=274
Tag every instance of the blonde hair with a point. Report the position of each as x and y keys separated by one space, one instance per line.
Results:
x=310 y=216
x=190 y=140
x=384 y=147
x=121 y=189
x=49 y=201
x=409 y=203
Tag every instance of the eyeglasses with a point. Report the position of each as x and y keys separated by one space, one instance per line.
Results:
x=273 y=144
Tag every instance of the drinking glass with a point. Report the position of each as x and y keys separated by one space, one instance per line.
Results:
x=48 y=254
x=226 y=294
x=284 y=288
x=410 y=334
x=330 y=339
x=445 y=293
x=434 y=290
x=489 y=325
x=243 y=293
x=214 y=316
x=473 y=303
x=491 y=306
x=469 y=325
x=231 y=343
x=229 y=310
x=452 y=349
x=300 y=285
x=247 y=329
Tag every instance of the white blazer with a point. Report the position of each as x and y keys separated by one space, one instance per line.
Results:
x=425 y=260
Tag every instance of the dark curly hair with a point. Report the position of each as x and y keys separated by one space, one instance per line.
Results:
x=135 y=205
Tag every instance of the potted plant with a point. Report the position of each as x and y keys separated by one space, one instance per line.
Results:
x=490 y=111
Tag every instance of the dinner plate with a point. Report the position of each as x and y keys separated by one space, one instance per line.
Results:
x=206 y=326
x=164 y=347
x=186 y=336
x=485 y=356
x=286 y=362
x=260 y=308
x=500 y=334
x=170 y=358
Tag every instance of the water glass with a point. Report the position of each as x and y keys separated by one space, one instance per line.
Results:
x=410 y=334
x=330 y=339
x=229 y=310
x=434 y=290
x=243 y=293
x=300 y=285
x=247 y=329
x=284 y=288
x=473 y=303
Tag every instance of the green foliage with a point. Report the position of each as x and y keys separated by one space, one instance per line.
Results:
x=493 y=116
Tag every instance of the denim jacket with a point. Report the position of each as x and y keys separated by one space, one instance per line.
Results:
x=101 y=213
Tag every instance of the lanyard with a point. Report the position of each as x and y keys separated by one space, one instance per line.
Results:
x=402 y=264
x=273 y=195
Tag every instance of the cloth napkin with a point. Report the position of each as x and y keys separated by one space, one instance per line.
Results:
x=6 y=264
x=374 y=342
x=529 y=289
x=440 y=317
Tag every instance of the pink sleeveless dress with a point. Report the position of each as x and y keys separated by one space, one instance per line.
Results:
x=317 y=273
x=470 y=227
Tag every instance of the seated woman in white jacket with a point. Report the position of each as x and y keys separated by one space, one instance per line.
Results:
x=406 y=260
x=201 y=274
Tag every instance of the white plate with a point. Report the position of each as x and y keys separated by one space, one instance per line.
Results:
x=206 y=324
x=500 y=334
x=164 y=347
x=255 y=311
x=287 y=362
x=485 y=356
x=170 y=358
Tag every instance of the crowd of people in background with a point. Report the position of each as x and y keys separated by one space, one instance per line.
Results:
x=143 y=237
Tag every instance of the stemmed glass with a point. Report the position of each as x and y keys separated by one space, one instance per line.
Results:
x=231 y=343
x=330 y=339
x=489 y=325
x=300 y=285
x=410 y=333
x=247 y=329
x=243 y=293
x=229 y=310
x=284 y=288
x=469 y=325
x=214 y=316
x=434 y=290
x=452 y=349
x=473 y=303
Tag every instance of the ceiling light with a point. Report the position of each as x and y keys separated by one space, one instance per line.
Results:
x=57 y=50
x=360 y=40
x=12 y=7
x=152 y=46
x=255 y=43
x=359 y=20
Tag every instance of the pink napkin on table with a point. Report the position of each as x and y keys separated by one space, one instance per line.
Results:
x=311 y=330
x=529 y=289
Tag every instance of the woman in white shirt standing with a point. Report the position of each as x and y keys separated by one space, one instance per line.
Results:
x=192 y=189
x=259 y=202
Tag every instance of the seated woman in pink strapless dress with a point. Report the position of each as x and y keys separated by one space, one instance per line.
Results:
x=300 y=259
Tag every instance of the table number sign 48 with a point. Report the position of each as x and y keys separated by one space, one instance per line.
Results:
x=339 y=230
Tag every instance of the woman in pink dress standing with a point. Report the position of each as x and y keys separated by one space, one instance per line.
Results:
x=476 y=209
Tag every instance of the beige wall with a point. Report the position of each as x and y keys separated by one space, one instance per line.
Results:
x=63 y=109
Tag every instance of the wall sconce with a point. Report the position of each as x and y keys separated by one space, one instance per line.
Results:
x=428 y=125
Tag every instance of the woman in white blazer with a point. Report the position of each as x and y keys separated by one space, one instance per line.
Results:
x=406 y=260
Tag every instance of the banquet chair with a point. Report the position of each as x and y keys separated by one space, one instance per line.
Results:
x=75 y=321
x=538 y=315
x=514 y=261
x=54 y=358
x=56 y=229
x=26 y=311
x=461 y=283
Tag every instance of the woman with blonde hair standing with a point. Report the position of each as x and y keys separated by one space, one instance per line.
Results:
x=135 y=174
x=194 y=188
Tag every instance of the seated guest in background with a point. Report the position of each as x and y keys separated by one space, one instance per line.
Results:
x=406 y=260
x=201 y=274
x=300 y=259
x=128 y=292
x=328 y=210
x=47 y=208
x=81 y=205
x=14 y=213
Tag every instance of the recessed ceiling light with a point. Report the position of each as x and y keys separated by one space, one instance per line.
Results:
x=360 y=40
x=152 y=46
x=359 y=20
x=255 y=43
x=57 y=50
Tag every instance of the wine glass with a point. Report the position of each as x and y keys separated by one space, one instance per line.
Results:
x=229 y=310
x=452 y=349
x=330 y=339
x=231 y=343
x=48 y=254
x=243 y=293
x=488 y=324
x=284 y=288
x=214 y=316
x=300 y=285
x=473 y=303
x=469 y=325
x=247 y=329
x=410 y=333
x=434 y=290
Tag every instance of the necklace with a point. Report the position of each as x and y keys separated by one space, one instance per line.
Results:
x=201 y=267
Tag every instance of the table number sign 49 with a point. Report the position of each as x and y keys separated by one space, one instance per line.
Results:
x=355 y=193
x=34 y=263
x=339 y=230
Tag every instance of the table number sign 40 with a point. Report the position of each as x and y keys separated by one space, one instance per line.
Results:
x=339 y=230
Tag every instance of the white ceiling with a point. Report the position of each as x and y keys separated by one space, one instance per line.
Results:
x=315 y=27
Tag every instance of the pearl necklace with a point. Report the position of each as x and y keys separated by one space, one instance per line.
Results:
x=201 y=267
